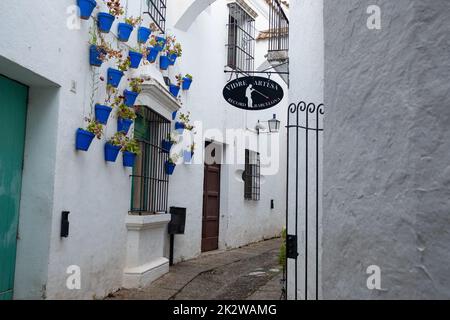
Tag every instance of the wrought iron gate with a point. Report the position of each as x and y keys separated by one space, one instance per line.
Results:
x=303 y=194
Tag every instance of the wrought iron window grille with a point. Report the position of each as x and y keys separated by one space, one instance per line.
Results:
x=252 y=176
x=150 y=184
x=241 y=39
x=156 y=9
x=278 y=35
x=278 y=28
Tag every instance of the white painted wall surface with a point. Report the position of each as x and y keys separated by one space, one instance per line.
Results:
x=84 y=184
x=387 y=146
x=307 y=78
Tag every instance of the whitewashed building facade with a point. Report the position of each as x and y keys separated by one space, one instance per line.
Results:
x=116 y=237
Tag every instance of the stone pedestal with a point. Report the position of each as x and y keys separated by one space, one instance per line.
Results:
x=145 y=250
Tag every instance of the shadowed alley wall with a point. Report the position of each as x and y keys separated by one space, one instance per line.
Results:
x=386 y=150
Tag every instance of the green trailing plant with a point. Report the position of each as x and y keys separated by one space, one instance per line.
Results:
x=179 y=78
x=123 y=64
x=117 y=101
x=111 y=53
x=117 y=139
x=136 y=84
x=111 y=94
x=173 y=158
x=173 y=47
x=176 y=49
x=125 y=112
x=98 y=41
x=171 y=138
x=94 y=37
x=188 y=76
x=106 y=51
x=141 y=49
x=133 y=21
x=153 y=42
x=185 y=119
x=131 y=145
x=94 y=127
x=282 y=254
x=115 y=8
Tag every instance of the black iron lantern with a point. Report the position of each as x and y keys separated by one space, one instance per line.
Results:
x=274 y=124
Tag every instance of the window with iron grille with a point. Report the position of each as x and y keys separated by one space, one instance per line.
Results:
x=157 y=11
x=252 y=176
x=150 y=184
x=241 y=39
x=278 y=28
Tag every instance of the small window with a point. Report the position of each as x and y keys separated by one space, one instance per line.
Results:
x=252 y=176
x=150 y=184
x=241 y=39
x=157 y=11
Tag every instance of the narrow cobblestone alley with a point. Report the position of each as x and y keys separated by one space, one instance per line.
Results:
x=250 y=272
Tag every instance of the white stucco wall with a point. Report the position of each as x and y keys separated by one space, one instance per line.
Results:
x=385 y=151
x=49 y=54
x=306 y=84
x=386 y=187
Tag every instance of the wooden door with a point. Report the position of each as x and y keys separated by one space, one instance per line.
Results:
x=211 y=208
x=13 y=106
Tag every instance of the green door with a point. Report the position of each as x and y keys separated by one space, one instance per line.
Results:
x=13 y=106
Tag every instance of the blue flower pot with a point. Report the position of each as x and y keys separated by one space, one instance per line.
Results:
x=187 y=83
x=164 y=62
x=160 y=43
x=152 y=54
x=111 y=152
x=123 y=125
x=187 y=156
x=169 y=167
x=86 y=8
x=114 y=77
x=143 y=34
x=179 y=126
x=174 y=90
x=102 y=113
x=166 y=146
x=105 y=22
x=95 y=56
x=124 y=31
x=130 y=97
x=135 y=59
x=128 y=159
x=174 y=115
x=172 y=59
x=83 y=139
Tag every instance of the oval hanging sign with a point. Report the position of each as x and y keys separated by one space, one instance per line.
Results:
x=253 y=93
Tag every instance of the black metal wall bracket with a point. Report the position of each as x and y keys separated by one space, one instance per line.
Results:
x=65 y=224
x=291 y=247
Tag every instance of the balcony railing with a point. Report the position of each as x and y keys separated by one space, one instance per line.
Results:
x=157 y=11
x=278 y=27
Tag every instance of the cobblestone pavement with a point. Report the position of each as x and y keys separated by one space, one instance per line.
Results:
x=250 y=272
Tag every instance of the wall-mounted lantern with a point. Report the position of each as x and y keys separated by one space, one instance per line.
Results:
x=274 y=125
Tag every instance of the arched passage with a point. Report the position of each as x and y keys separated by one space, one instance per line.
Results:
x=192 y=12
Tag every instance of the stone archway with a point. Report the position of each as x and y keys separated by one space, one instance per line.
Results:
x=191 y=13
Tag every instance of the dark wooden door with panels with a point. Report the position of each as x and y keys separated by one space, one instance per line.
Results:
x=211 y=203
